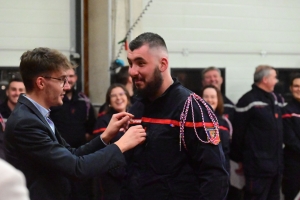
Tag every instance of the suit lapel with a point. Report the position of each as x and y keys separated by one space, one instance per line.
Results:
x=58 y=137
x=23 y=100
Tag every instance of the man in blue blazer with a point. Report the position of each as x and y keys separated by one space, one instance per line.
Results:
x=34 y=146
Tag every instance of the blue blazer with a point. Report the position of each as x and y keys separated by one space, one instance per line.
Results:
x=46 y=160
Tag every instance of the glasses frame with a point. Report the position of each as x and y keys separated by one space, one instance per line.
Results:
x=62 y=80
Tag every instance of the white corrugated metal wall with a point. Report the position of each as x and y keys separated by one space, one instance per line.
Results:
x=33 y=23
x=237 y=35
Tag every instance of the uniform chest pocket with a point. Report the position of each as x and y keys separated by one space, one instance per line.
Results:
x=162 y=144
x=264 y=117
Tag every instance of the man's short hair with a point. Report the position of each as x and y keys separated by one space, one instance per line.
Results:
x=74 y=64
x=41 y=62
x=208 y=69
x=151 y=39
x=15 y=79
x=122 y=76
x=261 y=71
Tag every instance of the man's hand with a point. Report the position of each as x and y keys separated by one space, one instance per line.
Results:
x=133 y=136
x=116 y=122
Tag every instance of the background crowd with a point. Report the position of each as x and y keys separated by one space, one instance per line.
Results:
x=260 y=133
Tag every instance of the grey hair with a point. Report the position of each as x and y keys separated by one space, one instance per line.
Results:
x=211 y=68
x=262 y=71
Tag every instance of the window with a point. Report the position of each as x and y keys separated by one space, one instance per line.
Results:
x=191 y=78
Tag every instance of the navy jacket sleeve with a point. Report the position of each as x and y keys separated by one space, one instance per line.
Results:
x=30 y=138
x=241 y=118
x=207 y=159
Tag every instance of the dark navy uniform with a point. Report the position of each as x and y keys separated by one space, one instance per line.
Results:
x=5 y=110
x=74 y=118
x=257 y=142
x=2 y=155
x=5 y=113
x=158 y=169
x=291 y=174
x=224 y=129
x=110 y=183
x=228 y=108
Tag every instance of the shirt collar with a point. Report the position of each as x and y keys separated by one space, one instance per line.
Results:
x=45 y=112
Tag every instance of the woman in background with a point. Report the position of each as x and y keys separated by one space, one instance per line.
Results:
x=117 y=100
x=291 y=152
x=213 y=97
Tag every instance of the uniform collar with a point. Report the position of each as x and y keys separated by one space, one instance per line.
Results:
x=174 y=84
x=255 y=87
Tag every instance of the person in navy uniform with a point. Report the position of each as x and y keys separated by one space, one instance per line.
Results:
x=14 y=88
x=257 y=137
x=117 y=100
x=212 y=76
x=291 y=127
x=181 y=157
x=212 y=95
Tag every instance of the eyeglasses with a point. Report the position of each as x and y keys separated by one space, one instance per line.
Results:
x=62 y=80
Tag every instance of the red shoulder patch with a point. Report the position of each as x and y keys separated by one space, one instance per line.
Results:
x=213 y=136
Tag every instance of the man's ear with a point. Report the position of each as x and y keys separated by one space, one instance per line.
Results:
x=221 y=80
x=265 y=79
x=40 y=83
x=164 y=64
x=75 y=78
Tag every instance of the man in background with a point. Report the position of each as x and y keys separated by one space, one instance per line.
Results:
x=212 y=76
x=14 y=89
x=75 y=121
x=258 y=137
x=125 y=79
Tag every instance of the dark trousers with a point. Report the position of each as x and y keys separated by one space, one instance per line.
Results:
x=291 y=176
x=235 y=193
x=82 y=190
x=262 y=188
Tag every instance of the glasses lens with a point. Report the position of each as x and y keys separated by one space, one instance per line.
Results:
x=64 y=82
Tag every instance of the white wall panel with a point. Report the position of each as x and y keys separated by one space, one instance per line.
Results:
x=33 y=23
x=228 y=33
